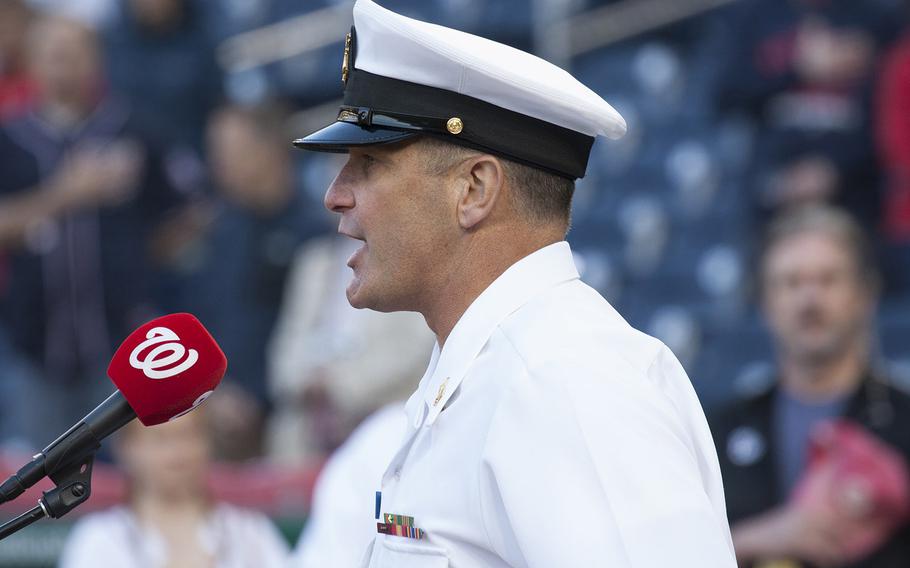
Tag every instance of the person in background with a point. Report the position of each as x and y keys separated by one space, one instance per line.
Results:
x=170 y=518
x=331 y=365
x=804 y=70
x=160 y=55
x=240 y=261
x=81 y=192
x=17 y=90
x=819 y=290
x=69 y=85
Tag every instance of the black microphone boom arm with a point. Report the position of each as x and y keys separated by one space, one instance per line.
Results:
x=73 y=447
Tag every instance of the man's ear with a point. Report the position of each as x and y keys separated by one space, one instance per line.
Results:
x=481 y=180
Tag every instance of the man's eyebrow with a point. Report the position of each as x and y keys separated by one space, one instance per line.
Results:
x=372 y=151
x=384 y=156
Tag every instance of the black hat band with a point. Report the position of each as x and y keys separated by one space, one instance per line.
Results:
x=374 y=101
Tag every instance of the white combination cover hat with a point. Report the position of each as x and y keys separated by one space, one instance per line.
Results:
x=403 y=78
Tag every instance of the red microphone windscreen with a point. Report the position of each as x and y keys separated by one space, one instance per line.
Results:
x=167 y=367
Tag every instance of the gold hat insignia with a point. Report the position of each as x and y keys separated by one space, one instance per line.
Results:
x=455 y=125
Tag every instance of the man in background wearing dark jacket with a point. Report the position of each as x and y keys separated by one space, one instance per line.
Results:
x=819 y=292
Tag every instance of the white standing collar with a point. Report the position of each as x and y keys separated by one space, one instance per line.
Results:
x=521 y=282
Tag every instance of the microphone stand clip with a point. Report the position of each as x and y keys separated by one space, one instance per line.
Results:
x=73 y=487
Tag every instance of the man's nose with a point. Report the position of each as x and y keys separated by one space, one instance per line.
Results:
x=810 y=290
x=338 y=197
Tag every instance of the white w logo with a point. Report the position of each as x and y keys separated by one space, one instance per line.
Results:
x=153 y=361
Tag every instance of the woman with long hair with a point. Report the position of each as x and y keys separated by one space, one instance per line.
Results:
x=170 y=519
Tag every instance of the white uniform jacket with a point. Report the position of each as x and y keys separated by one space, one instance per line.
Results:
x=549 y=433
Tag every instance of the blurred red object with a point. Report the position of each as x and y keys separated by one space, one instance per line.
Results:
x=893 y=131
x=273 y=490
x=858 y=480
x=17 y=94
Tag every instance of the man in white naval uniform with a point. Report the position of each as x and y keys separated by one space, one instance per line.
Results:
x=546 y=432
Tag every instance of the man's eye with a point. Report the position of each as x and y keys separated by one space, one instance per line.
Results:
x=367 y=161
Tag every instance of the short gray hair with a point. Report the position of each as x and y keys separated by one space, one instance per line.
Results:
x=540 y=196
x=833 y=221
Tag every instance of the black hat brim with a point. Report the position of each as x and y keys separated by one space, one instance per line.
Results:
x=340 y=136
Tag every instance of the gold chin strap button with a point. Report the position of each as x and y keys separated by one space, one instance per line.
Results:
x=455 y=125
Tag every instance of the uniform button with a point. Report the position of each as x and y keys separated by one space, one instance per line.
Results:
x=398 y=473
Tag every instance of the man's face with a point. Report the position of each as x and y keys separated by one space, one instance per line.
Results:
x=156 y=14
x=64 y=60
x=406 y=218
x=170 y=460
x=240 y=158
x=815 y=300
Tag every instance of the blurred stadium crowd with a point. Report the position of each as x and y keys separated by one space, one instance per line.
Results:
x=146 y=168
